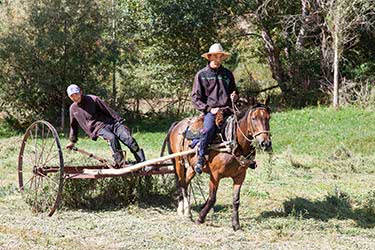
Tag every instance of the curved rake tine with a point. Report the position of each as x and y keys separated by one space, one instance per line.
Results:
x=36 y=193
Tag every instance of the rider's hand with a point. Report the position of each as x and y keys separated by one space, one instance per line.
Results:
x=234 y=96
x=214 y=110
x=70 y=145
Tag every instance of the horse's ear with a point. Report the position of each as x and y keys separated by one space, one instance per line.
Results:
x=252 y=101
x=267 y=102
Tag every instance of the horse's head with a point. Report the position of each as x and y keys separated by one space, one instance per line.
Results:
x=258 y=124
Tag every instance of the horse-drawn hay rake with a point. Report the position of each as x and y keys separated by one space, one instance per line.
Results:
x=42 y=171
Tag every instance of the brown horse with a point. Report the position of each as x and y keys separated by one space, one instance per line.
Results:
x=252 y=125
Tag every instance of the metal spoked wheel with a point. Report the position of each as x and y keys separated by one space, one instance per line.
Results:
x=41 y=168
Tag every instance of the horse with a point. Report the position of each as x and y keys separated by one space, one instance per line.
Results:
x=252 y=125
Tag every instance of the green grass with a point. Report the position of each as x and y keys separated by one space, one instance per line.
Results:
x=6 y=130
x=317 y=192
x=320 y=131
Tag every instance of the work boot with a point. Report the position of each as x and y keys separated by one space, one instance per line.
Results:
x=199 y=166
x=119 y=159
x=139 y=157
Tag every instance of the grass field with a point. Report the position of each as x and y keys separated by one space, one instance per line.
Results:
x=317 y=192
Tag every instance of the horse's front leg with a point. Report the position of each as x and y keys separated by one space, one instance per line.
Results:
x=214 y=184
x=237 y=183
x=181 y=185
x=190 y=173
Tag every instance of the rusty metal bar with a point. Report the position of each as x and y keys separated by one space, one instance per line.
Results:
x=91 y=155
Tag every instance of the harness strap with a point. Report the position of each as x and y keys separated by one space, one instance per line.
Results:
x=261 y=132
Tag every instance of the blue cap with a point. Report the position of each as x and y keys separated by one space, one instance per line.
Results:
x=73 y=89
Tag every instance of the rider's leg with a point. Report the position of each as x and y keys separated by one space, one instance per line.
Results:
x=209 y=129
x=113 y=143
x=123 y=133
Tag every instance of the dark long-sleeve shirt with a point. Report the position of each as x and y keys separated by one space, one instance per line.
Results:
x=91 y=114
x=212 y=88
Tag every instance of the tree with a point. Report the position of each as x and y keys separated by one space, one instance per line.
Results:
x=169 y=37
x=44 y=47
x=344 y=18
x=282 y=29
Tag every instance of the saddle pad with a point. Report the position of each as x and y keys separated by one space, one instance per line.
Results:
x=227 y=130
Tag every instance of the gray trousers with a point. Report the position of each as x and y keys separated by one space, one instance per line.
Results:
x=113 y=133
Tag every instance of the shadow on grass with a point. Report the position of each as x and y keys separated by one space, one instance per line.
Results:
x=332 y=207
x=155 y=200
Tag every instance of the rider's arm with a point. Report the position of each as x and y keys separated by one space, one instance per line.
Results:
x=233 y=88
x=232 y=84
x=198 y=96
x=73 y=134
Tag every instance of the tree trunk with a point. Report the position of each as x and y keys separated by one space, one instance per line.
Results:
x=62 y=112
x=273 y=57
x=336 y=70
x=114 y=90
x=302 y=32
x=325 y=61
x=64 y=76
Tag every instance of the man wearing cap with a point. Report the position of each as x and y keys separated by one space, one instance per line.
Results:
x=97 y=119
x=213 y=89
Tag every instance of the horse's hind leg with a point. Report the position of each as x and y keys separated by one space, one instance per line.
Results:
x=237 y=183
x=214 y=184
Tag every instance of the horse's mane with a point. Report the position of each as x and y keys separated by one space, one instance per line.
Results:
x=245 y=111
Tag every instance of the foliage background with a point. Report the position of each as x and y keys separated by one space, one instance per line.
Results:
x=142 y=55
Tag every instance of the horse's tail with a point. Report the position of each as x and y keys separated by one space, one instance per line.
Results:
x=166 y=140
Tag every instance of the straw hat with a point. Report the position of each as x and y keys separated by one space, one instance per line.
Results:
x=216 y=48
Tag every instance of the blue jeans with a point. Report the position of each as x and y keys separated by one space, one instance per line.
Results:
x=208 y=131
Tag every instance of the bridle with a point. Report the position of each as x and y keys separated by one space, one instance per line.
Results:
x=250 y=135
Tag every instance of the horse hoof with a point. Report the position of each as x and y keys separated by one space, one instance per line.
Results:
x=236 y=227
x=253 y=165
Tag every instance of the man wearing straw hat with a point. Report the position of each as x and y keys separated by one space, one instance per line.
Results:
x=213 y=89
x=97 y=119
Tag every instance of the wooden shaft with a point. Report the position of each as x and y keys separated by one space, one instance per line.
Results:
x=162 y=170
x=137 y=166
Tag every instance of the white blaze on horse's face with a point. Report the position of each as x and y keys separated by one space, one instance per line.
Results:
x=260 y=127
